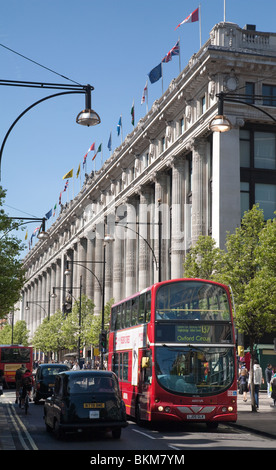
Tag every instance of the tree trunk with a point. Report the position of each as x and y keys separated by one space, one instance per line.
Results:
x=252 y=386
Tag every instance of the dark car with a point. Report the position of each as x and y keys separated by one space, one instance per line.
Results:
x=85 y=400
x=45 y=380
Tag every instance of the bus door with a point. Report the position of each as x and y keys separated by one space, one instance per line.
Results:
x=144 y=387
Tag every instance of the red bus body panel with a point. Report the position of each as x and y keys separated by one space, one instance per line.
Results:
x=151 y=397
x=9 y=368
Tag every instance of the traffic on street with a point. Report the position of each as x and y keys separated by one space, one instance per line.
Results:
x=28 y=432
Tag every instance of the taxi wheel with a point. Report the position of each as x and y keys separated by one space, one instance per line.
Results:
x=116 y=433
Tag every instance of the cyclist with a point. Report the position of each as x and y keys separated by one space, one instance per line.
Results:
x=18 y=379
x=26 y=384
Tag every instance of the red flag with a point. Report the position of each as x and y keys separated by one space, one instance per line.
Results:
x=190 y=19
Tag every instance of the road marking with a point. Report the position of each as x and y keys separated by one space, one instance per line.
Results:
x=21 y=429
x=143 y=433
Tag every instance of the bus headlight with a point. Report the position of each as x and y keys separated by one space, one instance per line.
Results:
x=160 y=408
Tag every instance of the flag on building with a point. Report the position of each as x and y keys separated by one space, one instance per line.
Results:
x=99 y=150
x=145 y=93
x=119 y=125
x=155 y=74
x=49 y=214
x=109 y=143
x=26 y=236
x=84 y=160
x=92 y=147
x=174 y=51
x=66 y=185
x=68 y=175
x=132 y=113
x=78 y=171
x=55 y=207
x=191 y=18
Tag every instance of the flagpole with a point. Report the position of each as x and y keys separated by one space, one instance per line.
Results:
x=224 y=16
x=179 y=56
x=200 y=25
x=121 y=129
x=162 y=75
x=147 y=95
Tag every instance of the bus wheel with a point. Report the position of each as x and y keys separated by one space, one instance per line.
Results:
x=138 y=419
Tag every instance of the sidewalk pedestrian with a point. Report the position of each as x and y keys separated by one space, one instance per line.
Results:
x=257 y=380
x=273 y=389
x=268 y=377
x=243 y=382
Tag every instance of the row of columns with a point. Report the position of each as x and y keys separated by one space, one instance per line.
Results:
x=130 y=263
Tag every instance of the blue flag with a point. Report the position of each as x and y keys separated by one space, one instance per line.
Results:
x=49 y=214
x=119 y=125
x=155 y=74
x=109 y=142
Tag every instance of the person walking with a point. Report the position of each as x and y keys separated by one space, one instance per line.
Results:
x=18 y=377
x=268 y=377
x=273 y=389
x=257 y=381
x=243 y=382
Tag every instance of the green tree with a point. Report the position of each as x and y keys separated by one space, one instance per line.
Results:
x=19 y=334
x=204 y=260
x=249 y=267
x=11 y=270
x=49 y=335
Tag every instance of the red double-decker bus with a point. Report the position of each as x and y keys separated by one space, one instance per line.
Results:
x=172 y=347
x=12 y=356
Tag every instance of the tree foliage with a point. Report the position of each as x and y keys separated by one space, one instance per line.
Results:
x=11 y=270
x=249 y=266
x=62 y=332
x=19 y=335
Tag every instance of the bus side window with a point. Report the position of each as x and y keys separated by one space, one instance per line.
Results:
x=118 y=318
x=134 y=311
x=148 y=306
x=147 y=368
x=141 y=312
x=113 y=318
x=127 y=313
x=115 y=364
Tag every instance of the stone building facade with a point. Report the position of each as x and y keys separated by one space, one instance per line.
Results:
x=170 y=181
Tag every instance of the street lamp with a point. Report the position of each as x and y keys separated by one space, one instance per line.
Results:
x=70 y=293
x=38 y=303
x=43 y=235
x=221 y=123
x=87 y=117
x=107 y=239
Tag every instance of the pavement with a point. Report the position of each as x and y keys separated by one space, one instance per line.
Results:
x=262 y=422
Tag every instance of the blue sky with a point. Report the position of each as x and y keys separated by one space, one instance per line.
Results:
x=109 y=44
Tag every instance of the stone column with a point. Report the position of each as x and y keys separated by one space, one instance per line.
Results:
x=199 y=222
x=226 y=211
x=144 y=229
x=130 y=255
x=162 y=233
x=118 y=263
x=179 y=166
x=89 y=287
x=82 y=266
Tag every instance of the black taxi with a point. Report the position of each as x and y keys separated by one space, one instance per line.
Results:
x=44 y=380
x=85 y=400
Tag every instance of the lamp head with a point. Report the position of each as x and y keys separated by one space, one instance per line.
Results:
x=220 y=123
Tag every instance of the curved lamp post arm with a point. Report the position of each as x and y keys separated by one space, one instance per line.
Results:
x=28 y=109
x=241 y=99
x=145 y=240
